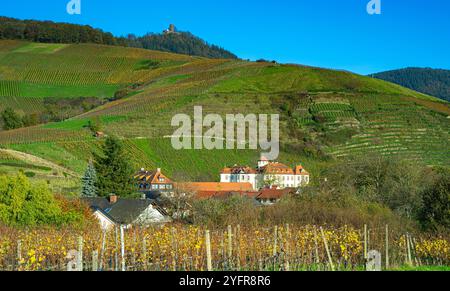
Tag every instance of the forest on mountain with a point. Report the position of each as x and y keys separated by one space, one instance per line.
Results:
x=51 y=32
x=183 y=43
x=434 y=82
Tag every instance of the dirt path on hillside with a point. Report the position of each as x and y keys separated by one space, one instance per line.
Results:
x=38 y=161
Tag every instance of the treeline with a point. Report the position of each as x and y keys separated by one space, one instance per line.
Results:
x=181 y=43
x=55 y=110
x=51 y=32
x=434 y=82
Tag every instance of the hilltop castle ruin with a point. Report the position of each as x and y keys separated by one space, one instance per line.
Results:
x=171 y=30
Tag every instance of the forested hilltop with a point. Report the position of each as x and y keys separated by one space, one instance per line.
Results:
x=434 y=82
x=51 y=32
x=182 y=42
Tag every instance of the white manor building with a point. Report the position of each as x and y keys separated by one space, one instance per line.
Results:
x=266 y=174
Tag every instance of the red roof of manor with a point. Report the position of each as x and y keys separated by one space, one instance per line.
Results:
x=300 y=171
x=274 y=168
x=152 y=177
x=215 y=187
x=225 y=194
x=239 y=170
x=271 y=193
x=277 y=168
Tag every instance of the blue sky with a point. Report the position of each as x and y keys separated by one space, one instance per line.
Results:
x=336 y=34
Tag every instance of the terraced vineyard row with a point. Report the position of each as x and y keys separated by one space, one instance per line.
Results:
x=38 y=134
x=402 y=130
x=9 y=89
x=318 y=107
x=31 y=70
x=24 y=104
x=67 y=71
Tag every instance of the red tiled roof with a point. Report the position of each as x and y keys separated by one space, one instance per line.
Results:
x=300 y=171
x=277 y=168
x=269 y=193
x=225 y=194
x=217 y=187
x=152 y=177
x=238 y=170
x=274 y=168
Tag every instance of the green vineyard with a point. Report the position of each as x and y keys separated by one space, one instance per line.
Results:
x=42 y=70
x=382 y=117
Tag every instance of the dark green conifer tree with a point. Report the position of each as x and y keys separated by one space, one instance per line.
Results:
x=114 y=173
x=89 y=181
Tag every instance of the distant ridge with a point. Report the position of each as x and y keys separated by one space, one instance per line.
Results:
x=434 y=82
x=52 y=32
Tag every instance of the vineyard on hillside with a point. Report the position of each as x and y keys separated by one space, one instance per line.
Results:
x=357 y=115
x=190 y=248
x=398 y=128
x=41 y=70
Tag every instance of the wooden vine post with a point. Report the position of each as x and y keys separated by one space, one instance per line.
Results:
x=365 y=242
x=408 y=245
x=116 y=250
x=387 y=247
x=95 y=261
x=330 y=260
x=238 y=240
x=102 y=251
x=230 y=247
x=287 y=253
x=19 y=253
x=316 y=246
x=80 y=254
x=122 y=248
x=174 y=249
x=208 y=251
x=144 y=252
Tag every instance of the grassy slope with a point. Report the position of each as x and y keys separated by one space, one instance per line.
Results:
x=386 y=118
x=59 y=179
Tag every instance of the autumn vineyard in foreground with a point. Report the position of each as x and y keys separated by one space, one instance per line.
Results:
x=184 y=248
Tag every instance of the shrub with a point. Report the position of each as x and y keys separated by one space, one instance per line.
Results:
x=23 y=204
x=30 y=174
x=11 y=120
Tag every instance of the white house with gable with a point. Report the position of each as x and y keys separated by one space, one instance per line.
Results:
x=267 y=173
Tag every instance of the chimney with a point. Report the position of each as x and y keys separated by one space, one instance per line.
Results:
x=274 y=187
x=142 y=169
x=113 y=199
x=158 y=170
x=263 y=161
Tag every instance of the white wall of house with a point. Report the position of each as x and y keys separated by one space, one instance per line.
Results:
x=151 y=216
x=288 y=181
x=105 y=222
x=240 y=178
x=258 y=180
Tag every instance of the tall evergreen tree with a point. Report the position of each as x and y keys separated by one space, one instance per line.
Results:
x=89 y=181
x=114 y=173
